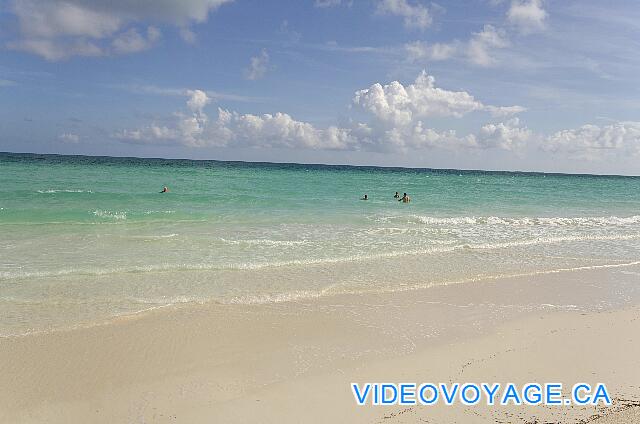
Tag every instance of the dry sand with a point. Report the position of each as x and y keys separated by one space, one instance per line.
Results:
x=294 y=362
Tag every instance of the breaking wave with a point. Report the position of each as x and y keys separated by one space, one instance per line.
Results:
x=313 y=261
x=591 y=221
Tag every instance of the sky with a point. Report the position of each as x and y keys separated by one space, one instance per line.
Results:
x=533 y=85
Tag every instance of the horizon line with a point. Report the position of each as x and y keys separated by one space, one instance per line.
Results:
x=466 y=170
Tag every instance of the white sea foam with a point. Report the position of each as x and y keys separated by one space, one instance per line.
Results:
x=158 y=212
x=588 y=221
x=51 y=190
x=118 y=215
x=6 y=275
x=265 y=242
x=154 y=237
x=151 y=304
x=312 y=294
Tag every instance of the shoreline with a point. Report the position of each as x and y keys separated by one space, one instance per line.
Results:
x=318 y=295
x=285 y=361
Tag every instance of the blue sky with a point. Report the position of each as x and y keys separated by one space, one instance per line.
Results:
x=492 y=84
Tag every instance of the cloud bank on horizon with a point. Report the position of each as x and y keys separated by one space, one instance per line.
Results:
x=397 y=121
x=533 y=89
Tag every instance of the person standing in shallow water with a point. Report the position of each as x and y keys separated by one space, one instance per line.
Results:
x=405 y=198
x=397 y=195
x=165 y=189
x=365 y=197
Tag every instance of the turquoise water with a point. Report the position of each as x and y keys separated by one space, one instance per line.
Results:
x=84 y=239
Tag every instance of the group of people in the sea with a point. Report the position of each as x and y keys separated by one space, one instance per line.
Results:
x=404 y=199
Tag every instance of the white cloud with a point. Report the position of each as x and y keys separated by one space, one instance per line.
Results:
x=132 y=42
x=172 y=91
x=288 y=32
x=420 y=50
x=69 y=138
x=396 y=113
x=415 y=16
x=483 y=43
x=58 y=29
x=188 y=128
x=234 y=129
x=198 y=99
x=48 y=19
x=327 y=3
x=53 y=50
x=277 y=130
x=504 y=135
x=479 y=49
x=593 y=141
x=527 y=15
x=258 y=66
x=402 y=105
x=188 y=35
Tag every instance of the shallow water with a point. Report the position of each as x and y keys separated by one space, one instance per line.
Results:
x=84 y=239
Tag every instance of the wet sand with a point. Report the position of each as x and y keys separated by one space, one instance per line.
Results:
x=294 y=361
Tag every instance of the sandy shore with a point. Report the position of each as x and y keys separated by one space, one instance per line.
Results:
x=294 y=361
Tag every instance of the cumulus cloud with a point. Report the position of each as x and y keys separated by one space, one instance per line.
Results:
x=278 y=130
x=508 y=135
x=397 y=122
x=527 y=15
x=235 y=129
x=58 y=29
x=478 y=50
x=402 y=105
x=258 y=66
x=415 y=16
x=593 y=141
x=187 y=128
x=198 y=99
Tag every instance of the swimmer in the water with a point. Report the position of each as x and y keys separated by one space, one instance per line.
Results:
x=165 y=189
x=365 y=197
x=397 y=195
x=405 y=199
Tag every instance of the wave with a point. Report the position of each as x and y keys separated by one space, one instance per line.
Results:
x=158 y=212
x=119 y=215
x=332 y=291
x=591 y=221
x=151 y=304
x=83 y=325
x=9 y=275
x=153 y=238
x=51 y=190
x=265 y=242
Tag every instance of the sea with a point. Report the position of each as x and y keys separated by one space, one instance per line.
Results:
x=84 y=240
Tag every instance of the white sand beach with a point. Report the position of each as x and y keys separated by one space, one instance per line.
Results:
x=293 y=362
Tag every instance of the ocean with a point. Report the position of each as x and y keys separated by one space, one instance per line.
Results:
x=86 y=239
